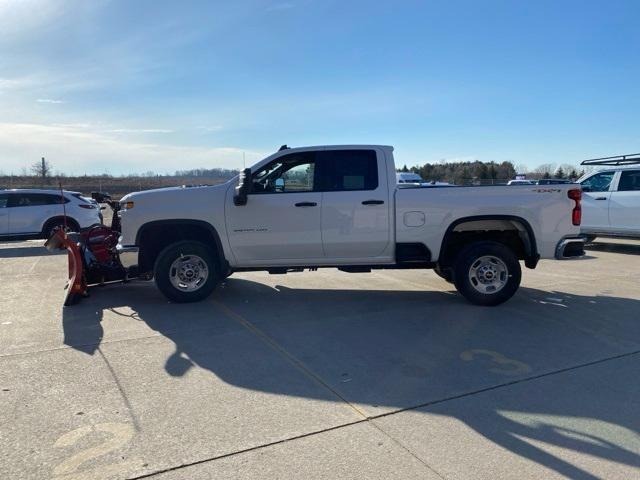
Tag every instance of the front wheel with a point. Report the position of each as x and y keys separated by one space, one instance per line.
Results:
x=487 y=273
x=186 y=272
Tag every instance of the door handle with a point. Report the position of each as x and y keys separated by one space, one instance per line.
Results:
x=600 y=198
x=306 y=204
x=373 y=202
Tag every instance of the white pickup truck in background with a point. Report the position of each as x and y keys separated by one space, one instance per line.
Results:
x=340 y=206
x=611 y=197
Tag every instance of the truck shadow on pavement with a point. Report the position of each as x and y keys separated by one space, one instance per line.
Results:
x=542 y=375
x=625 y=248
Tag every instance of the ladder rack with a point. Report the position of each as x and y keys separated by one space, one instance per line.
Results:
x=630 y=159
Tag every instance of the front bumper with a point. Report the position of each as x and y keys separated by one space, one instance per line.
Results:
x=570 y=247
x=128 y=255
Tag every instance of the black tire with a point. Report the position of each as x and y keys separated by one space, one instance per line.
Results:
x=163 y=272
x=55 y=224
x=509 y=272
x=445 y=273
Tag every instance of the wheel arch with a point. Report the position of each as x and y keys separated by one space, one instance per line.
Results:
x=69 y=220
x=152 y=237
x=486 y=227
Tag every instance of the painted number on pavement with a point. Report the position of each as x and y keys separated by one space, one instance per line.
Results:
x=118 y=434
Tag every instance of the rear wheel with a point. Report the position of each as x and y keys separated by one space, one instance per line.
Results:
x=487 y=273
x=55 y=224
x=186 y=272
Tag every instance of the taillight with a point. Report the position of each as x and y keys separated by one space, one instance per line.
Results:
x=87 y=206
x=575 y=194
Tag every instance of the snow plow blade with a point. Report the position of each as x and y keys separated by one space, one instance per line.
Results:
x=77 y=285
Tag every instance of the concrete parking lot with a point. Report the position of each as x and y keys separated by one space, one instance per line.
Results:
x=322 y=375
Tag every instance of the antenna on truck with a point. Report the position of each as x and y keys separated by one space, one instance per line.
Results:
x=64 y=207
x=629 y=159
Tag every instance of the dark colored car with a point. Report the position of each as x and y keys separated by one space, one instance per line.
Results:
x=553 y=181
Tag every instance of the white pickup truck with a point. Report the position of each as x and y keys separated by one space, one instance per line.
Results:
x=611 y=197
x=340 y=206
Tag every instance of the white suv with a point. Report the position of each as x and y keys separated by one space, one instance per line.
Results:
x=611 y=202
x=40 y=212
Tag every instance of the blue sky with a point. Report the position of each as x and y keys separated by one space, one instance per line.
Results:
x=132 y=86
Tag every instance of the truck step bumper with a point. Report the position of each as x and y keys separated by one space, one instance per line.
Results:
x=570 y=248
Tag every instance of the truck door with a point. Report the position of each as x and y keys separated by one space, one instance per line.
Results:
x=4 y=214
x=355 y=203
x=595 y=201
x=281 y=220
x=624 y=205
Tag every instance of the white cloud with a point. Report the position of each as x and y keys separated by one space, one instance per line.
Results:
x=71 y=125
x=49 y=100
x=212 y=128
x=16 y=83
x=21 y=17
x=139 y=130
x=74 y=148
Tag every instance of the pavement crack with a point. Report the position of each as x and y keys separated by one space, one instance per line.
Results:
x=506 y=384
x=406 y=449
x=246 y=450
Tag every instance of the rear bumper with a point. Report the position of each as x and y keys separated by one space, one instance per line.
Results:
x=570 y=247
x=128 y=255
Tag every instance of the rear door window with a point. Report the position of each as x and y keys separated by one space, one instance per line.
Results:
x=629 y=181
x=34 y=199
x=4 y=200
x=598 y=183
x=348 y=170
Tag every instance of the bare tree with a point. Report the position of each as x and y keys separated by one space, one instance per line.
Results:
x=545 y=170
x=42 y=169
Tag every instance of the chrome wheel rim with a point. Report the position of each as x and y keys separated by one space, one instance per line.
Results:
x=488 y=274
x=188 y=273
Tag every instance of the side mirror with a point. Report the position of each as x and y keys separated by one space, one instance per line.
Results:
x=279 y=185
x=243 y=188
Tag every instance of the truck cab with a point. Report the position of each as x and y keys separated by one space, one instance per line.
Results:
x=316 y=207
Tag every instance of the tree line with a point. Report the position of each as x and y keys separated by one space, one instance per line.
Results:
x=477 y=172
x=42 y=175
x=43 y=170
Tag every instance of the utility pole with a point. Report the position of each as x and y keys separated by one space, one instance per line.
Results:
x=44 y=169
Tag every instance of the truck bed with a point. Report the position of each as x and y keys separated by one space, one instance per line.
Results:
x=424 y=214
